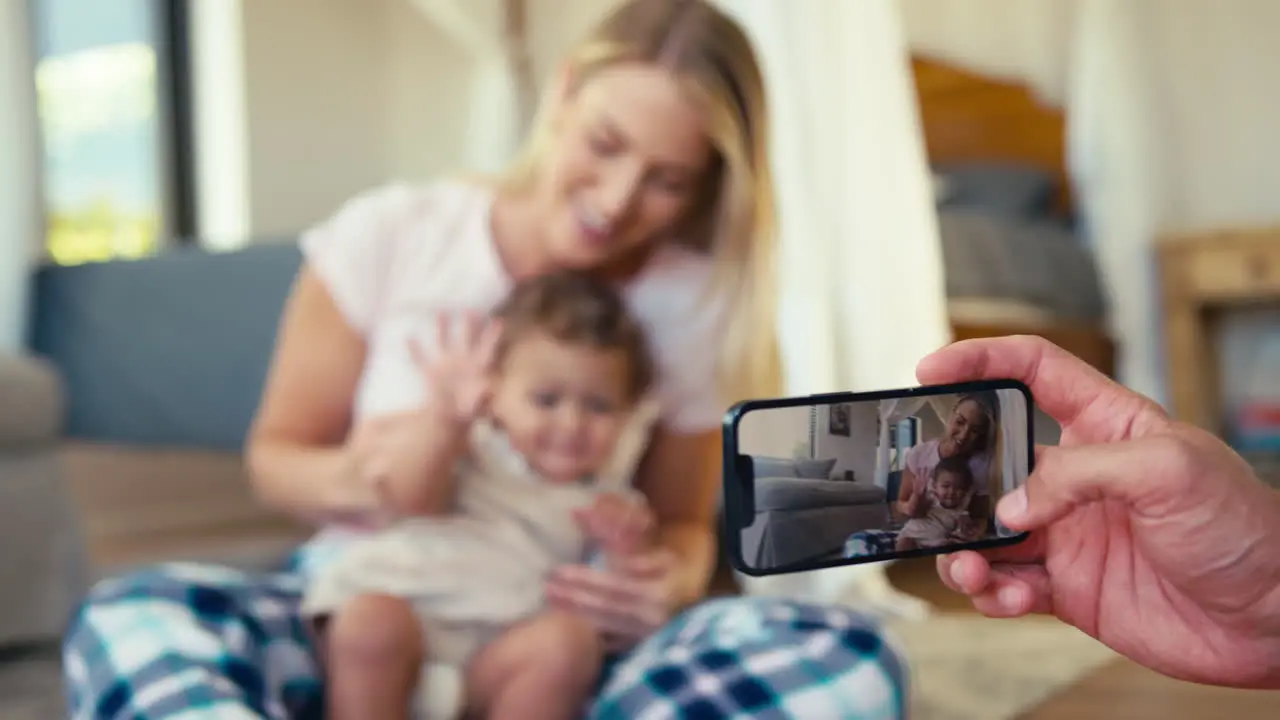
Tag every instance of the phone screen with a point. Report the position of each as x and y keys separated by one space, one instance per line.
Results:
x=839 y=479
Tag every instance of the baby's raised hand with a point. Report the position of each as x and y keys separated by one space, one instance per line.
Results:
x=917 y=505
x=457 y=371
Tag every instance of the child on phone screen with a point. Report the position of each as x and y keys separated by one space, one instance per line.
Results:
x=536 y=401
x=940 y=515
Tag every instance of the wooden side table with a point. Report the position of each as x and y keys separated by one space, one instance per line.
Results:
x=1201 y=275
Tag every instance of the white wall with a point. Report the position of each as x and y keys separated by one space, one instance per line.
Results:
x=774 y=432
x=308 y=102
x=21 y=212
x=856 y=452
x=777 y=432
x=317 y=101
x=427 y=114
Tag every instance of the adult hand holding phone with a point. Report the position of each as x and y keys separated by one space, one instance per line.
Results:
x=1149 y=534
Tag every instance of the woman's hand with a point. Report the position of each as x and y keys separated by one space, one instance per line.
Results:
x=635 y=593
x=1148 y=534
x=384 y=452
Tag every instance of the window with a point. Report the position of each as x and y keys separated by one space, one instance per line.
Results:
x=111 y=91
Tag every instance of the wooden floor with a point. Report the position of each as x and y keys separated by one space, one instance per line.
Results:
x=1120 y=690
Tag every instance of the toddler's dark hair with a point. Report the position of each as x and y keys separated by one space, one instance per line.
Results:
x=959 y=467
x=577 y=308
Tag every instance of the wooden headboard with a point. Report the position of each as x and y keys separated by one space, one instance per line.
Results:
x=968 y=117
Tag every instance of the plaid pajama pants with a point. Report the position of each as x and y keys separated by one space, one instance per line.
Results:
x=190 y=642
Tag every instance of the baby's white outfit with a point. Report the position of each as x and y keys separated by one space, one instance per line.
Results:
x=939 y=524
x=472 y=575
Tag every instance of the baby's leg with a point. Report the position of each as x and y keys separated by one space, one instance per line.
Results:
x=542 y=668
x=374 y=650
x=905 y=543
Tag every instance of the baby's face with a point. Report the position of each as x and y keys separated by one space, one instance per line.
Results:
x=562 y=405
x=950 y=490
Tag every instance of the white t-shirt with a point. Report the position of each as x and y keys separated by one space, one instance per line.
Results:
x=395 y=257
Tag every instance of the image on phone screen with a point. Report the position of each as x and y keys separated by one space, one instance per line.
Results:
x=839 y=479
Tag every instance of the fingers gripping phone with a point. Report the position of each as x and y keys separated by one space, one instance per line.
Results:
x=847 y=478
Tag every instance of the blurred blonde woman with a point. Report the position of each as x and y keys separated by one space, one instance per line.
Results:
x=647 y=164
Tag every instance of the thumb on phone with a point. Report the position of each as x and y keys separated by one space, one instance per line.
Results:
x=1066 y=478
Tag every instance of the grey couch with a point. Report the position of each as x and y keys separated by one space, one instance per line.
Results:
x=43 y=565
x=803 y=514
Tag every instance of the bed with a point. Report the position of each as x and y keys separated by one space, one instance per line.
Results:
x=1015 y=260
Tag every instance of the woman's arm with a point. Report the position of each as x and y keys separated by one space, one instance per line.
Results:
x=680 y=476
x=295 y=450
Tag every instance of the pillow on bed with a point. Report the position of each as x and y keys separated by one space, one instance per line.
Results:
x=1009 y=189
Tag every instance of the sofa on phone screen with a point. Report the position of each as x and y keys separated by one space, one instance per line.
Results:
x=801 y=513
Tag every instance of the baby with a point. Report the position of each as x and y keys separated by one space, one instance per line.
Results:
x=568 y=366
x=940 y=516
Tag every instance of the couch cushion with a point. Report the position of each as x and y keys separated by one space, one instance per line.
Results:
x=763 y=466
x=815 y=469
x=170 y=350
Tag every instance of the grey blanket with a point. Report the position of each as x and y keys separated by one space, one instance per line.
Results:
x=1036 y=261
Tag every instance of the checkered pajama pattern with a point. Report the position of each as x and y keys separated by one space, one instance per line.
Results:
x=190 y=642
x=759 y=658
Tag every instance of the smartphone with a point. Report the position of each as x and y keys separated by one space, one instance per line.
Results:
x=847 y=478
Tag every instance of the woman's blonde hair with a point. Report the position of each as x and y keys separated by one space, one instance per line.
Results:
x=733 y=219
x=988 y=404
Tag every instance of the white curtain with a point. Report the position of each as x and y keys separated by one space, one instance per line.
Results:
x=1173 y=129
x=942 y=407
x=21 y=204
x=1013 y=438
x=862 y=290
x=497 y=89
x=1117 y=160
x=1023 y=40
x=892 y=412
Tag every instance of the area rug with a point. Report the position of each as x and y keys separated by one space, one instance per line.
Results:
x=968 y=667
